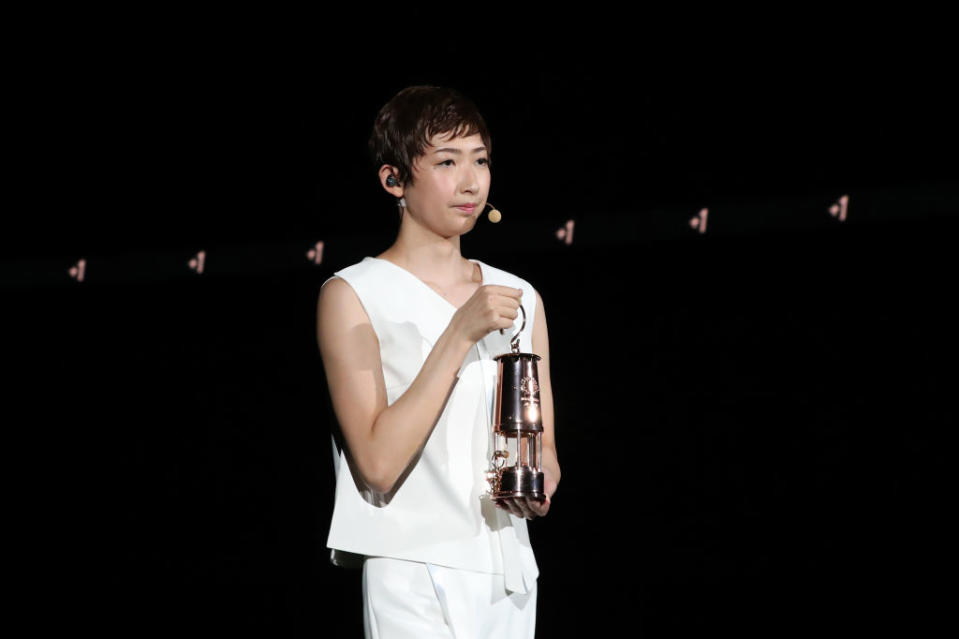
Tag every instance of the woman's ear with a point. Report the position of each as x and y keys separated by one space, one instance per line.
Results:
x=389 y=180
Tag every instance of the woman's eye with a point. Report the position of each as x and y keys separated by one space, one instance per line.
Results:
x=482 y=161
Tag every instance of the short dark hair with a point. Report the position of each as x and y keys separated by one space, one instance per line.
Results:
x=405 y=125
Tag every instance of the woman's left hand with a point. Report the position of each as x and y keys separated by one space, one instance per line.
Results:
x=524 y=506
x=531 y=508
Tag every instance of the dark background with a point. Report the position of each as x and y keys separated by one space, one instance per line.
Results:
x=753 y=423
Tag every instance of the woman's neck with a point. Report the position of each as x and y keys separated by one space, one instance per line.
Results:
x=437 y=261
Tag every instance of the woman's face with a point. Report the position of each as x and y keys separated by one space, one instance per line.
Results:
x=450 y=184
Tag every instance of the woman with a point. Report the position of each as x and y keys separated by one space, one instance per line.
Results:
x=407 y=340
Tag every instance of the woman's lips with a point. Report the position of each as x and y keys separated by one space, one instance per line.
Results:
x=467 y=209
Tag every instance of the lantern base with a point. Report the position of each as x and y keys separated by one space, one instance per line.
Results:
x=520 y=482
x=516 y=494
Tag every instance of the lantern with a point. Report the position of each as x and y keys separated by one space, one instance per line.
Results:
x=517 y=427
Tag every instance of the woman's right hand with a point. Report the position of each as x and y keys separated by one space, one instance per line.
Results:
x=490 y=308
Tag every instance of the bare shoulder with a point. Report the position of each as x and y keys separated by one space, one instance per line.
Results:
x=540 y=332
x=540 y=311
x=336 y=289
x=342 y=324
x=339 y=305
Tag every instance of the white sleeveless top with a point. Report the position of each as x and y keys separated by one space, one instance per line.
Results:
x=438 y=514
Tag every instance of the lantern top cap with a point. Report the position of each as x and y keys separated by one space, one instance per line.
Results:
x=517 y=355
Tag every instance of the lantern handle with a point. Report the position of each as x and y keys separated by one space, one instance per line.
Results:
x=514 y=340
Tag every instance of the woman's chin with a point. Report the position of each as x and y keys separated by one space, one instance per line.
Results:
x=460 y=229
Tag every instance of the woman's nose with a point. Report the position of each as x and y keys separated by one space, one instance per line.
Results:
x=468 y=181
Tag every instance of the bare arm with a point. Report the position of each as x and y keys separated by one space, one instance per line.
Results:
x=383 y=439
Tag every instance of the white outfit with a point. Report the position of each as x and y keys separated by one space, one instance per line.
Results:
x=413 y=600
x=438 y=515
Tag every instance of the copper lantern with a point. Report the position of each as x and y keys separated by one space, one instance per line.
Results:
x=517 y=426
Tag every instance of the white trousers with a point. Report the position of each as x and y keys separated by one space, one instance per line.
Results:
x=412 y=600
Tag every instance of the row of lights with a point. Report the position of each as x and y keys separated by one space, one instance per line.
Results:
x=564 y=234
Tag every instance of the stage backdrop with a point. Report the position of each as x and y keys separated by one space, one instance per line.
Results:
x=746 y=264
x=751 y=429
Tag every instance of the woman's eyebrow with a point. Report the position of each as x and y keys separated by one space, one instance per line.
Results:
x=457 y=151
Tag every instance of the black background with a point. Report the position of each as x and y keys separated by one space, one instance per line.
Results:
x=753 y=423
